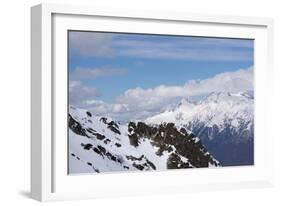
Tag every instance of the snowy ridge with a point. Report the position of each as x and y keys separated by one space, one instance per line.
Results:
x=221 y=108
x=223 y=121
x=98 y=144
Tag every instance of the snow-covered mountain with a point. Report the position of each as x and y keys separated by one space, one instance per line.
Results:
x=223 y=121
x=99 y=144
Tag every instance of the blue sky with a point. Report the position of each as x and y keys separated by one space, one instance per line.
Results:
x=107 y=65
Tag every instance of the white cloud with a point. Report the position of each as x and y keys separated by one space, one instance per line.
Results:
x=93 y=73
x=240 y=80
x=102 y=108
x=80 y=94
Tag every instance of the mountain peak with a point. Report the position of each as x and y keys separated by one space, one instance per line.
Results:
x=215 y=109
x=184 y=101
x=248 y=94
x=228 y=96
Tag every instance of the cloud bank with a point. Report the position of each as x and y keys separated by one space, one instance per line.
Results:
x=139 y=103
x=79 y=93
x=82 y=95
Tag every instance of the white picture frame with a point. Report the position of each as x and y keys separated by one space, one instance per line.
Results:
x=49 y=179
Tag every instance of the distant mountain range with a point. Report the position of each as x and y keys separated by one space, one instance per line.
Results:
x=223 y=121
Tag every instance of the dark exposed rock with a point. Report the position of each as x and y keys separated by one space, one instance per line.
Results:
x=76 y=126
x=138 y=166
x=113 y=127
x=133 y=137
x=89 y=163
x=109 y=155
x=113 y=158
x=117 y=144
x=183 y=131
x=89 y=114
x=112 y=123
x=131 y=127
x=96 y=150
x=119 y=160
x=162 y=148
x=159 y=152
x=103 y=119
x=93 y=133
x=175 y=162
x=100 y=136
x=131 y=157
x=102 y=149
x=91 y=130
x=106 y=141
x=96 y=170
x=150 y=164
x=87 y=146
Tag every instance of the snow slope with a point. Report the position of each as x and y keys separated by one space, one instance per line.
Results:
x=98 y=144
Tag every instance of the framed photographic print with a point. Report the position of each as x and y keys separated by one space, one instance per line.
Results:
x=135 y=102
